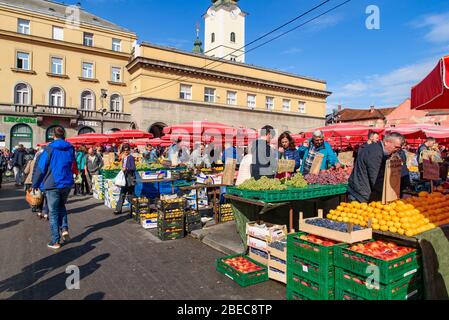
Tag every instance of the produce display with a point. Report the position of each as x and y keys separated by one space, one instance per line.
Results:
x=382 y=250
x=297 y=181
x=280 y=245
x=333 y=225
x=330 y=177
x=262 y=184
x=242 y=264
x=407 y=217
x=318 y=240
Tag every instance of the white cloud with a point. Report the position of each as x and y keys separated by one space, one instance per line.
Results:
x=382 y=89
x=438 y=27
x=292 y=51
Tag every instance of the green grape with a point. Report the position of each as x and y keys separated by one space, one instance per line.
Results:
x=297 y=181
x=263 y=184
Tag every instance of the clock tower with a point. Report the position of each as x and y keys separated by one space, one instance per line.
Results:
x=225 y=31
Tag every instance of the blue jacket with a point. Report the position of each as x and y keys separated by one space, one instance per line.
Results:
x=54 y=167
x=292 y=154
x=329 y=160
x=231 y=153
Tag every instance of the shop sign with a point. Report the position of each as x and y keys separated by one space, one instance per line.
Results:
x=431 y=170
x=19 y=119
x=88 y=123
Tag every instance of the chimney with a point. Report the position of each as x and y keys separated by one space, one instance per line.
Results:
x=371 y=109
x=339 y=108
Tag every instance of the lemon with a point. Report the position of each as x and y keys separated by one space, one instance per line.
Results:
x=384 y=228
x=376 y=227
x=393 y=229
x=390 y=224
x=340 y=219
x=345 y=219
x=397 y=225
x=401 y=231
x=409 y=233
x=383 y=223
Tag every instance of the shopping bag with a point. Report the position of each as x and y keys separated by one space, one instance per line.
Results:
x=78 y=179
x=34 y=197
x=120 y=180
x=9 y=173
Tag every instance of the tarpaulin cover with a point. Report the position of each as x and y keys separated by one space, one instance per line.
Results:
x=433 y=91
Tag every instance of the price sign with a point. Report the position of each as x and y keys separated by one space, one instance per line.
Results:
x=229 y=172
x=286 y=165
x=431 y=170
x=346 y=158
x=392 y=180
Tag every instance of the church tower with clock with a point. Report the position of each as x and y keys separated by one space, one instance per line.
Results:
x=225 y=31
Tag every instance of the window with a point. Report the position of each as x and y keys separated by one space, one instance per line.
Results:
x=23 y=26
x=286 y=105
x=56 y=97
x=23 y=60
x=209 y=95
x=233 y=58
x=269 y=103
x=232 y=98
x=56 y=65
x=87 y=100
x=88 y=39
x=116 y=103
x=251 y=100
x=88 y=70
x=185 y=92
x=22 y=94
x=212 y=38
x=302 y=107
x=116 y=74
x=116 y=45
x=232 y=37
x=58 y=33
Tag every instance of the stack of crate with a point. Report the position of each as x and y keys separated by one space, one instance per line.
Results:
x=171 y=224
x=98 y=187
x=310 y=269
x=259 y=237
x=226 y=213
x=143 y=213
x=277 y=260
x=362 y=277
x=112 y=195
x=193 y=221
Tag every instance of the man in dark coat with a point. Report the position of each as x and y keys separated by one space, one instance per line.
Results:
x=265 y=157
x=367 y=178
x=19 y=163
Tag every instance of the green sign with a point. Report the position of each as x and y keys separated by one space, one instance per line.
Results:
x=19 y=120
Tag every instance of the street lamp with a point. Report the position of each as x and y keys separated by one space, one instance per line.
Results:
x=104 y=95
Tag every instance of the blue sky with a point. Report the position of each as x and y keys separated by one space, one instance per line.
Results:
x=362 y=67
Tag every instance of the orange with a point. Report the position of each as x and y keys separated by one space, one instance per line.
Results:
x=340 y=207
x=379 y=205
x=384 y=228
x=397 y=225
x=390 y=224
x=376 y=226
x=382 y=222
x=393 y=229
x=345 y=219
x=401 y=231
x=377 y=211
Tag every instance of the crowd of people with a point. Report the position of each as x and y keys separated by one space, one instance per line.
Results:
x=58 y=168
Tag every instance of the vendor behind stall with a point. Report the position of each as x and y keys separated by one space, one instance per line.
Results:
x=426 y=146
x=181 y=151
x=264 y=157
x=287 y=149
x=199 y=158
x=367 y=179
x=317 y=145
x=150 y=154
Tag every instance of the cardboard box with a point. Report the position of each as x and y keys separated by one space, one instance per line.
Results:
x=270 y=233
x=257 y=257
x=148 y=223
x=257 y=243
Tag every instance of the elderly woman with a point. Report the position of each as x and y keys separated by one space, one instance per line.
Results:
x=317 y=145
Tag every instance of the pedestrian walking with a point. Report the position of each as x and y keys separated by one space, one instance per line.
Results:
x=18 y=163
x=3 y=166
x=93 y=166
x=81 y=162
x=53 y=175
x=129 y=169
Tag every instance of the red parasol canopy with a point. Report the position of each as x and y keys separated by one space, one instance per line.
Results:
x=130 y=134
x=200 y=127
x=433 y=91
x=345 y=129
x=91 y=138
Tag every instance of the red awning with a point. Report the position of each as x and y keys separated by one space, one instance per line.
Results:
x=91 y=139
x=130 y=134
x=200 y=127
x=433 y=91
x=345 y=130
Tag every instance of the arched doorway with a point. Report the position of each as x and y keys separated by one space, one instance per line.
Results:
x=85 y=130
x=50 y=133
x=156 y=129
x=21 y=134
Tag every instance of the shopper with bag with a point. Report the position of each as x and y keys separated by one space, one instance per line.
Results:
x=3 y=166
x=93 y=165
x=54 y=176
x=126 y=179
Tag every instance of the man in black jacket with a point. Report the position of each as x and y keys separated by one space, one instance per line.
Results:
x=367 y=178
x=19 y=162
x=264 y=156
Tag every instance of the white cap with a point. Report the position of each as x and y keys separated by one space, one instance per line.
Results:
x=318 y=133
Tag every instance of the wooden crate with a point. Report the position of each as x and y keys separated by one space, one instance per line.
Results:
x=258 y=258
x=277 y=265
x=277 y=276
x=346 y=237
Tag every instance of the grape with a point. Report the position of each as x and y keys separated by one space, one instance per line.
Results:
x=333 y=225
x=297 y=181
x=330 y=177
x=262 y=184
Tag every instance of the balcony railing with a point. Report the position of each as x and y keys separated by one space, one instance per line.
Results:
x=58 y=111
x=17 y=109
x=108 y=116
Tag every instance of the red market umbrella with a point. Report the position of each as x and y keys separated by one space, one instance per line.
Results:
x=433 y=91
x=200 y=127
x=91 y=138
x=345 y=129
x=130 y=134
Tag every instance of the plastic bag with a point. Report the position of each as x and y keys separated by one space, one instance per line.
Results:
x=120 y=180
x=34 y=197
x=78 y=179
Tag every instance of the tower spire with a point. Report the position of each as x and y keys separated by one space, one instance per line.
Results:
x=197 y=45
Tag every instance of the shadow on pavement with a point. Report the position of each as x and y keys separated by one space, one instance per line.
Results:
x=18 y=205
x=74 y=199
x=91 y=229
x=10 y=224
x=33 y=272
x=51 y=287
x=83 y=209
x=95 y=296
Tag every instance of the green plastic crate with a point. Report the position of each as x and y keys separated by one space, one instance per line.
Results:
x=342 y=294
x=243 y=279
x=310 y=270
x=293 y=295
x=321 y=255
x=404 y=289
x=164 y=236
x=170 y=223
x=389 y=271
x=309 y=288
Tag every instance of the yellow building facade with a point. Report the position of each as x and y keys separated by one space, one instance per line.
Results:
x=170 y=86
x=60 y=66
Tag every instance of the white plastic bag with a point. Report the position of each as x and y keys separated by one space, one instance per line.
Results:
x=120 y=180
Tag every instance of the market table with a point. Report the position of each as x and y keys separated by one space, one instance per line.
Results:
x=280 y=212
